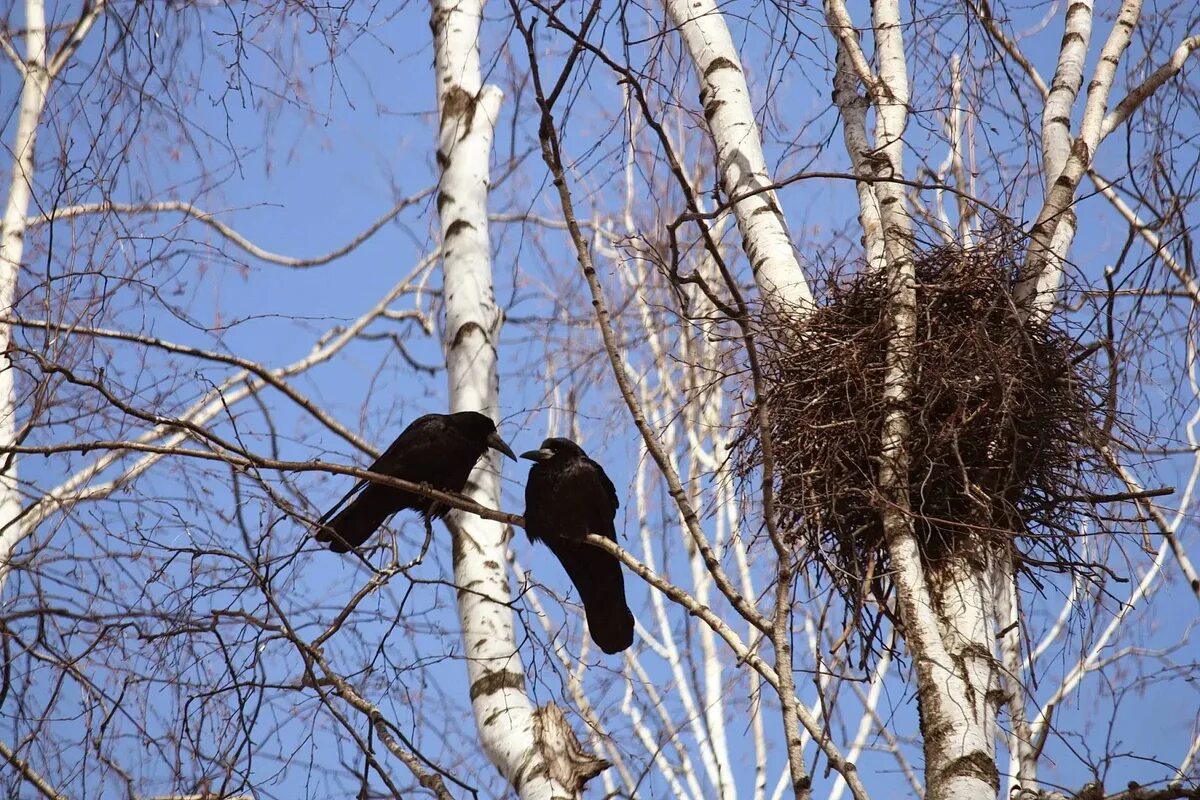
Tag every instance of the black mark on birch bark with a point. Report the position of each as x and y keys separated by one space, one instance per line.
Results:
x=457 y=227
x=464 y=330
x=493 y=682
x=720 y=62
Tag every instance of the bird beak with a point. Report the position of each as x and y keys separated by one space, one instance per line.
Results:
x=538 y=455
x=496 y=443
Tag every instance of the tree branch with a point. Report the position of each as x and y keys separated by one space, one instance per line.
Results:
x=1132 y=101
x=552 y=157
x=79 y=31
x=745 y=655
x=228 y=232
x=30 y=774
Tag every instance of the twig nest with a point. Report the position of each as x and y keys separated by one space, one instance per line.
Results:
x=1005 y=426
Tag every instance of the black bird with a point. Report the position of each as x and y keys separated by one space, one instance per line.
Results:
x=437 y=449
x=567 y=497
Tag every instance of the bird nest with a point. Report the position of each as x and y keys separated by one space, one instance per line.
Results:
x=1004 y=417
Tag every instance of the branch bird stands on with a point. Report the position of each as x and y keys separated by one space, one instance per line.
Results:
x=568 y=497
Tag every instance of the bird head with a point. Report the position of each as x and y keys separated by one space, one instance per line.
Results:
x=554 y=447
x=482 y=427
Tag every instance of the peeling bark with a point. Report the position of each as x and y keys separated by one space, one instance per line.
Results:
x=567 y=763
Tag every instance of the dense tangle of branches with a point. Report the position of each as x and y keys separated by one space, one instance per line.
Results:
x=1007 y=425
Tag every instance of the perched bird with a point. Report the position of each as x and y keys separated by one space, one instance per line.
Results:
x=439 y=450
x=567 y=497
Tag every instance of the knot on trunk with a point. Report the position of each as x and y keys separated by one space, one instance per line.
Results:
x=567 y=763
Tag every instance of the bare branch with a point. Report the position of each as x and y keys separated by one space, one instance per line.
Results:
x=29 y=774
x=550 y=152
x=228 y=232
x=79 y=31
x=269 y=377
x=236 y=388
x=7 y=46
x=1138 y=95
x=744 y=655
x=983 y=13
x=1108 y=189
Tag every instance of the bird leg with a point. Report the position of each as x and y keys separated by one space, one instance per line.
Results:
x=424 y=545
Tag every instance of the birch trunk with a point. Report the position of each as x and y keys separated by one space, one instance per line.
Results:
x=1022 y=754
x=743 y=168
x=534 y=750
x=12 y=247
x=948 y=614
x=1067 y=160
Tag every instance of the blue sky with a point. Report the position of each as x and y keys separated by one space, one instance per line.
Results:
x=299 y=155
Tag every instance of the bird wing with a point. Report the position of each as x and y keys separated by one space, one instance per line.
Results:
x=592 y=492
x=414 y=445
x=539 y=503
x=410 y=439
x=328 y=515
x=421 y=443
x=435 y=449
x=608 y=485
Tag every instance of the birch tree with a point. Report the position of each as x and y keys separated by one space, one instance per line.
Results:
x=37 y=67
x=534 y=749
x=950 y=616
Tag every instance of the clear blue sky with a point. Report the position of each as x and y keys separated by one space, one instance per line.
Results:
x=310 y=156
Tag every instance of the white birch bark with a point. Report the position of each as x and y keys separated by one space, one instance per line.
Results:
x=37 y=70
x=1065 y=160
x=853 y=108
x=959 y=709
x=955 y=162
x=12 y=247
x=1022 y=755
x=1064 y=88
x=530 y=748
x=891 y=118
x=743 y=168
x=1045 y=275
x=948 y=615
x=1052 y=233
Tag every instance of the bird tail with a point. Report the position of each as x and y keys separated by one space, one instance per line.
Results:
x=357 y=521
x=601 y=586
